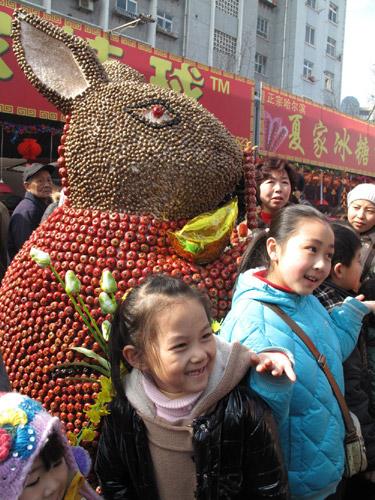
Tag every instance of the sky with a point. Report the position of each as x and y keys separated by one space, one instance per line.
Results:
x=358 y=77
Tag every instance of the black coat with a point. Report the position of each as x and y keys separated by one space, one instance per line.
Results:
x=357 y=375
x=236 y=452
x=25 y=218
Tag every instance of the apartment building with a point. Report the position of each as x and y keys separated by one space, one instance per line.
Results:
x=295 y=45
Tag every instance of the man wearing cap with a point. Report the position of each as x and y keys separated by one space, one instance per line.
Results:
x=28 y=213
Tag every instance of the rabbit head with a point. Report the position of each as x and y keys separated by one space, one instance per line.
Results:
x=130 y=146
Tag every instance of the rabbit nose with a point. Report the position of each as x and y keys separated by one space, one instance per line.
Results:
x=157 y=110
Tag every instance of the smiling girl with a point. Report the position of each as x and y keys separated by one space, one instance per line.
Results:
x=298 y=250
x=183 y=423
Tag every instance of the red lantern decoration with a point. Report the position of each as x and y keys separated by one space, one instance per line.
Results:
x=29 y=149
x=4 y=188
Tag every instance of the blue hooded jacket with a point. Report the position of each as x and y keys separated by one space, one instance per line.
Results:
x=310 y=422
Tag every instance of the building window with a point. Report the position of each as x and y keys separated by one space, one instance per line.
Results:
x=165 y=21
x=260 y=63
x=311 y=3
x=308 y=69
x=329 y=80
x=310 y=35
x=228 y=6
x=225 y=44
x=331 y=46
x=127 y=6
x=262 y=27
x=333 y=12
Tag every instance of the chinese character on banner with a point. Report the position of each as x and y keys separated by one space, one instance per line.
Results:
x=5 y=29
x=187 y=79
x=341 y=146
x=319 y=134
x=362 y=150
x=295 y=136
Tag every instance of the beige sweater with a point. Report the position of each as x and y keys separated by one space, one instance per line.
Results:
x=171 y=444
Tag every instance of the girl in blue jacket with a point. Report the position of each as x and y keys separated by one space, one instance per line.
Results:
x=297 y=251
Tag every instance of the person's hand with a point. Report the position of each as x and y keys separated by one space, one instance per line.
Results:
x=276 y=363
x=370 y=476
x=369 y=303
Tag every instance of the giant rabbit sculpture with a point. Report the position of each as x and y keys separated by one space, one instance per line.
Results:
x=136 y=161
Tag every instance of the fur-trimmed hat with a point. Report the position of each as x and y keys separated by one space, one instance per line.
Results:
x=24 y=430
x=362 y=192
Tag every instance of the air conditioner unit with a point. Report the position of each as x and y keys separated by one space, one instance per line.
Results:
x=311 y=78
x=87 y=5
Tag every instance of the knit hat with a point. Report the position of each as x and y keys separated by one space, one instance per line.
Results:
x=24 y=430
x=362 y=192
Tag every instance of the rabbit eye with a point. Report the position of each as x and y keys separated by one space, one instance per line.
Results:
x=156 y=114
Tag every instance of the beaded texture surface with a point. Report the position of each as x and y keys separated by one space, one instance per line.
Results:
x=136 y=161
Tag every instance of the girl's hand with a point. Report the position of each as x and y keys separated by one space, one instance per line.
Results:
x=369 y=303
x=276 y=363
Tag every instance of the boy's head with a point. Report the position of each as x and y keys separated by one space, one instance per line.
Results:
x=346 y=267
x=32 y=448
x=361 y=207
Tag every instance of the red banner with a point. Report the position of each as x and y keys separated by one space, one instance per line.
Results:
x=303 y=131
x=227 y=96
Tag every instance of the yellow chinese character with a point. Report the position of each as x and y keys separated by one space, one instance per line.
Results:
x=279 y=101
x=5 y=29
x=295 y=136
x=287 y=103
x=270 y=99
x=319 y=133
x=100 y=44
x=187 y=79
x=302 y=108
x=294 y=106
x=362 y=150
x=342 y=144
x=104 y=49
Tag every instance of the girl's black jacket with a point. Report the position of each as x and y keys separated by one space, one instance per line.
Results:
x=236 y=452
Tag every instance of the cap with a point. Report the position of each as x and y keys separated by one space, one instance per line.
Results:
x=34 y=168
x=362 y=192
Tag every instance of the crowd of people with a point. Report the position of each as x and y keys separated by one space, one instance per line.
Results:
x=247 y=413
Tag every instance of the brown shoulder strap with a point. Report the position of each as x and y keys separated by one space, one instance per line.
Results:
x=322 y=362
x=368 y=262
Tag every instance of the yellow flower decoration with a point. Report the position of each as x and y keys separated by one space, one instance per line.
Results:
x=105 y=395
x=72 y=438
x=94 y=414
x=13 y=417
x=88 y=434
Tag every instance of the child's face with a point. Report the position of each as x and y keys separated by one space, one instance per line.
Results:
x=274 y=192
x=186 y=349
x=304 y=261
x=43 y=484
x=350 y=276
x=361 y=215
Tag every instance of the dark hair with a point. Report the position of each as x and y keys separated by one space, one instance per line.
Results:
x=264 y=169
x=52 y=451
x=368 y=289
x=347 y=243
x=283 y=225
x=133 y=321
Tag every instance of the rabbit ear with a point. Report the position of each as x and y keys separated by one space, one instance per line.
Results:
x=59 y=65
